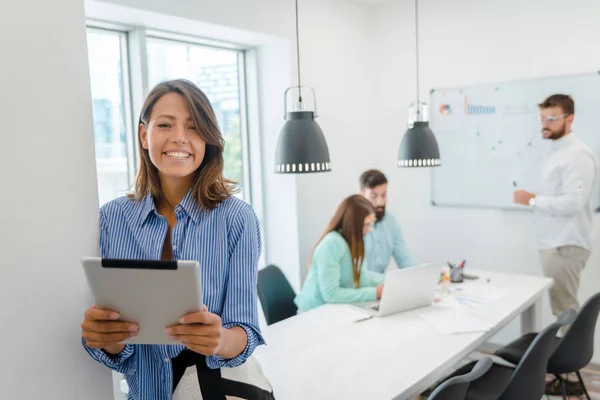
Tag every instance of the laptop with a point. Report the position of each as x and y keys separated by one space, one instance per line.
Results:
x=406 y=289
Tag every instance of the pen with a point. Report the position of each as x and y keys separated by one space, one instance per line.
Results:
x=363 y=319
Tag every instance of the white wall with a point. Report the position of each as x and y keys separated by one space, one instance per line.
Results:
x=49 y=203
x=339 y=64
x=468 y=42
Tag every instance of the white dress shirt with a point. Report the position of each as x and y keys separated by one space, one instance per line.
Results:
x=566 y=200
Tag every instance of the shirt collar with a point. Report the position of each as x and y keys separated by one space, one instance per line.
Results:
x=380 y=221
x=563 y=141
x=146 y=208
x=188 y=205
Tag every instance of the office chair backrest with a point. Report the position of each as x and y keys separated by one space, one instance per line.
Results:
x=528 y=380
x=456 y=388
x=276 y=295
x=576 y=348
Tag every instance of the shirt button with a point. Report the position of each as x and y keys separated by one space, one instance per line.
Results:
x=166 y=359
x=177 y=209
x=174 y=247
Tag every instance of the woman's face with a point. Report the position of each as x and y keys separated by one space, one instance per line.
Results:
x=368 y=224
x=172 y=140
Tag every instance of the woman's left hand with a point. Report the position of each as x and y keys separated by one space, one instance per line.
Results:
x=200 y=332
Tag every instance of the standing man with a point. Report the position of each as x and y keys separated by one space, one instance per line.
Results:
x=385 y=240
x=565 y=203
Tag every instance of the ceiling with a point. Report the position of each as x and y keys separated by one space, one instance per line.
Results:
x=368 y=1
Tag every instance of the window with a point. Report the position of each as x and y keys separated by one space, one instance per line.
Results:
x=218 y=71
x=108 y=66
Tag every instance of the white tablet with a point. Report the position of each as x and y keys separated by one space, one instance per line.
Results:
x=153 y=294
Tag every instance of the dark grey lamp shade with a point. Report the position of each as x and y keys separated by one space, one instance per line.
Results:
x=419 y=148
x=301 y=146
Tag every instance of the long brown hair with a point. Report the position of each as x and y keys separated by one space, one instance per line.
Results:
x=210 y=187
x=348 y=220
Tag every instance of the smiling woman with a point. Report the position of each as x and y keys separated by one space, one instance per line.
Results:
x=182 y=208
x=168 y=125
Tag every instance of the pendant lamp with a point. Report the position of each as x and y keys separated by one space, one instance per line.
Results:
x=301 y=146
x=418 y=147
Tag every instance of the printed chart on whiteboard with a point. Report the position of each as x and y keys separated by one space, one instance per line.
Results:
x=490 y=137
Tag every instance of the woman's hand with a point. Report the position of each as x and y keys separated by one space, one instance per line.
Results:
x=379 y=290
x=200 y=332
x=101 y=330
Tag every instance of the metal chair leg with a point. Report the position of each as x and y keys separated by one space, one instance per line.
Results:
x=563 y=388
x=583 y=385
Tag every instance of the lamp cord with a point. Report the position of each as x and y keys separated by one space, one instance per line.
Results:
x=298 y=54
x=417 y=51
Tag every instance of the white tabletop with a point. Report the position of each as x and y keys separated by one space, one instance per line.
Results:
x=324 y=354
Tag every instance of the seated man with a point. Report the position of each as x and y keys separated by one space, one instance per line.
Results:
x=385 y=240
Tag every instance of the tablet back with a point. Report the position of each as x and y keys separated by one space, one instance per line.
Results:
x=153 y=294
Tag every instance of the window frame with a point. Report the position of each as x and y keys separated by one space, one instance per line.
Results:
x=123 y=35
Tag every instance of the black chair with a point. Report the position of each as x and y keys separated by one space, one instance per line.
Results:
x=527 y=380
x=276 y=295
x=456 y=388
x=573 y=352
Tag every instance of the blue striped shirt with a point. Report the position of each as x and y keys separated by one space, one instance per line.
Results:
x=225 y=241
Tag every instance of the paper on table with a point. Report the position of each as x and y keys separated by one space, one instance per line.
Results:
x=478 y=292
x=454 y=317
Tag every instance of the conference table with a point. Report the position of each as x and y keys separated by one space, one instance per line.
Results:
x=327 y=353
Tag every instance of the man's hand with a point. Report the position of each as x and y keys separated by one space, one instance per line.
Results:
x=522 y=197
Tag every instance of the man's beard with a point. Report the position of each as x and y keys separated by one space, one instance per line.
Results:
x=380 y=213
x=554 y=135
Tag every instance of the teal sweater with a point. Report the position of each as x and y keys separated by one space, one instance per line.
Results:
x=330 y=278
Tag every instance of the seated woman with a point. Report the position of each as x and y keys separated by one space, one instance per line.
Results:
x=335 y=274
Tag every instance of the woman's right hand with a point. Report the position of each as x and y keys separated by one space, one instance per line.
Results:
x=101 y=330
x=379 y=290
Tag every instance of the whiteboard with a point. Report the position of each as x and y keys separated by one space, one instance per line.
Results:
x=490 y=137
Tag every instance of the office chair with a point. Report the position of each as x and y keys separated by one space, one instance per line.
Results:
x=456 y=388
x=276 y=295
x=572 y=352
x=526 y=381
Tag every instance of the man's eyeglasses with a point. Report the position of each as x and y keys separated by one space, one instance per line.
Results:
x=552 y=118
